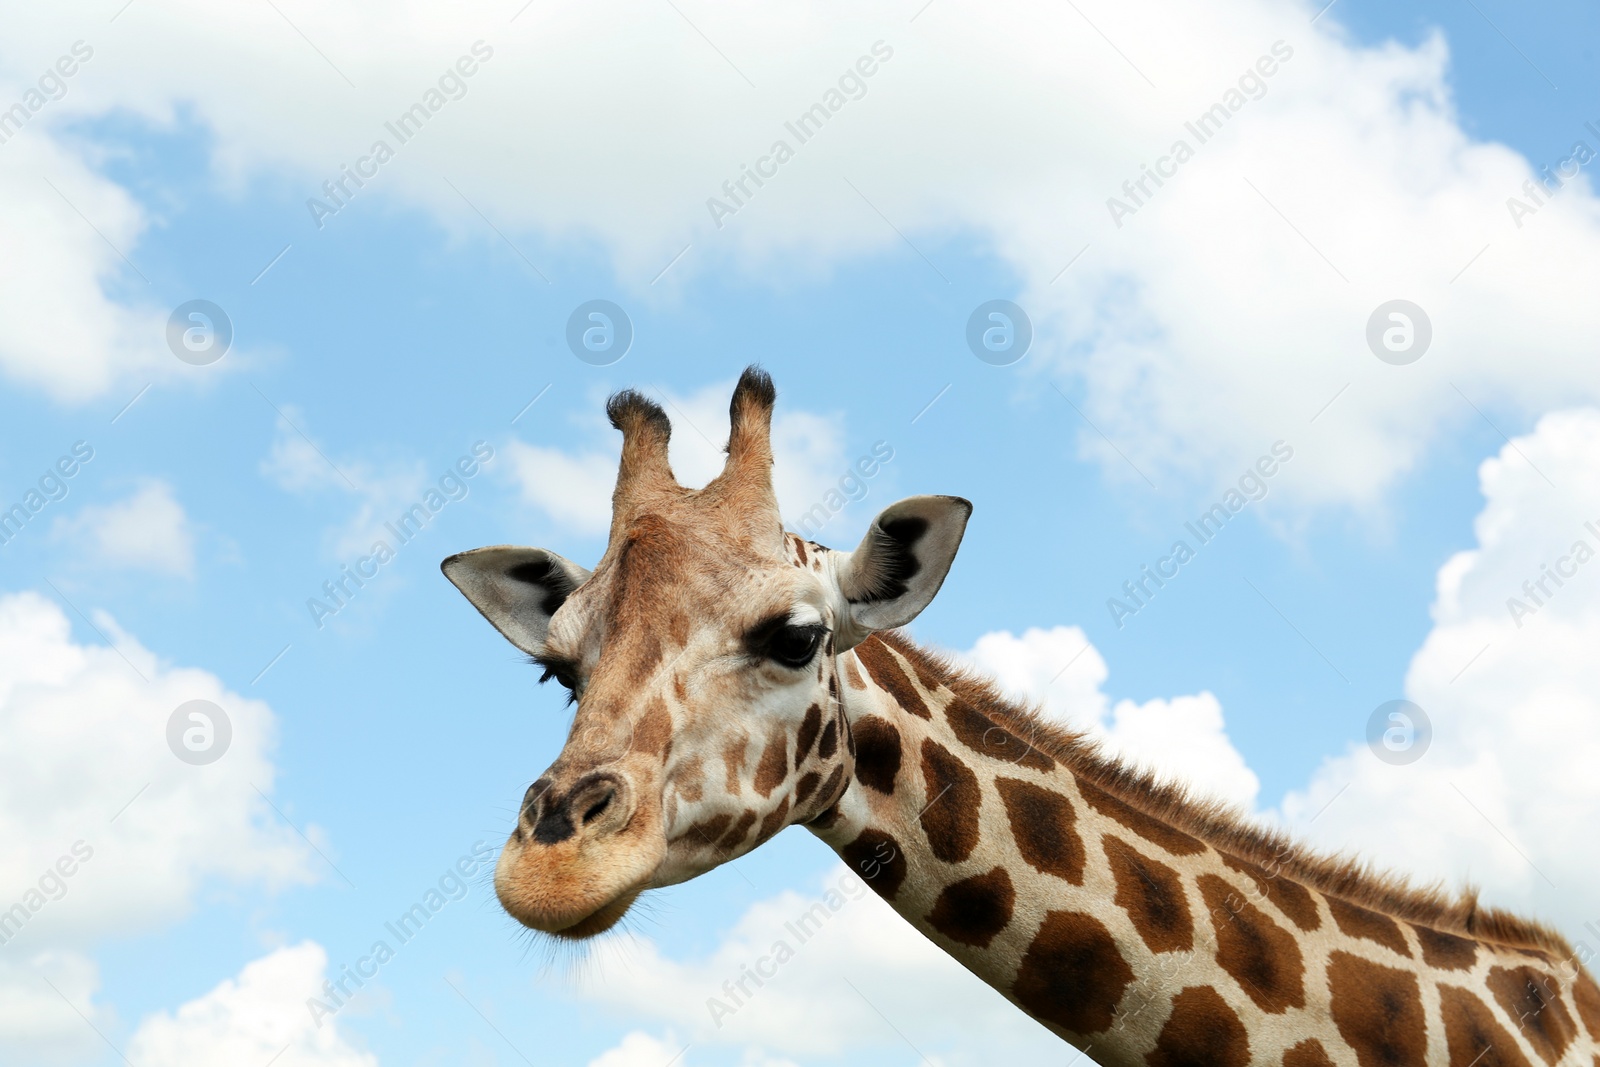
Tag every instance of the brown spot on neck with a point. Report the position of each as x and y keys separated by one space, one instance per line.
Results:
x=921 y=662
x=830 y=740
x=974 y=909
x=988 y=738
x=1146 y=826
x=773 y=822
x=735 y=837
x=834 y=788
x=1587 y=996
x=878 y=859
x=877 y=753
x=706 y=831
x=1042 y=828
x=1533 y=998
x=953 y=801
x=1289 y=897
x=1445 y=951
x=1472 y=1035
x=1202 y=1029
x=1368 y=925
x=885 y=670
x=1072 y=975
x=828 y=799
x=1378 y=1011
x=1152 y=895
x=806 y=786
x=1262 y=957
x=1308 y=1053
x=852 y=674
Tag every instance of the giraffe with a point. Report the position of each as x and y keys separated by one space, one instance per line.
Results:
x=731 y=679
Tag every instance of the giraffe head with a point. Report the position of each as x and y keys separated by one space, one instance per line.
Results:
x=700 y=654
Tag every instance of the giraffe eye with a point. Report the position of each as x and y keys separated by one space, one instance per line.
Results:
x=562 y=674
x=793 y=646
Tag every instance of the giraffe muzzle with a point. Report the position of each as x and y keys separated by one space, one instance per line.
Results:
x=580 y=854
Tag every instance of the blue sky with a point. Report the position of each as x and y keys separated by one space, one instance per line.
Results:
x=425 y=316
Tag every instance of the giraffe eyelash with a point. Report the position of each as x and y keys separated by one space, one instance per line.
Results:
x=561 y=672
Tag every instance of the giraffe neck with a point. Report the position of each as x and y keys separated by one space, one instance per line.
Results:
x=1139 y=942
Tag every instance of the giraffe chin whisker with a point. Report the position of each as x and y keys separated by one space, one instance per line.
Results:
x=577 y=922
x=598 y=921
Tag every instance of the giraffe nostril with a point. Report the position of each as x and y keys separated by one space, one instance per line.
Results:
x=599 y=803
x=530 y=799
x=599 y=806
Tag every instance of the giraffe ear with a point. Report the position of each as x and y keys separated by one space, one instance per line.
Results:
x=516 y=589
x=900 y=564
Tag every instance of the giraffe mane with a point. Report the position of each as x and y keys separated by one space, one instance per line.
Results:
x=1226 y=828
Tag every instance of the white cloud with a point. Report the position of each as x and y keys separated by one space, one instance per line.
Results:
x=574 y=488
x=258 y=1017
x=1506 y=790
x=895 y=970
x=639 y=1049
x=382 y=491
x=61 y=328
x=125 y=848
x=1177 y=323
x=1183 y=738
x=37 y=1022
x=148 y=530
x=293 y=463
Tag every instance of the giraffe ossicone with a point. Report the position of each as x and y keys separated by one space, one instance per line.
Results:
x=731 y=679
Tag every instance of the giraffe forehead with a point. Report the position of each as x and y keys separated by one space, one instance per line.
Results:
x=693 y=556
x=664 y=583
